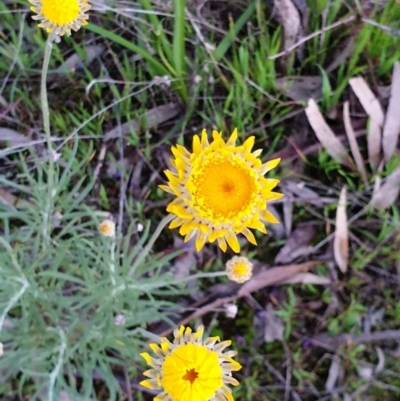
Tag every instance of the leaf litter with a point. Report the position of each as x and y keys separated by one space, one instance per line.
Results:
x=273 y=325
x=341 y=241
x=325 y=135
x=355 y=150
x=391 y=129
x=297 y=244
x=374 y=110
x=386 y=195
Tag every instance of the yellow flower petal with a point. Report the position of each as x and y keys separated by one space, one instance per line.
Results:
x=233 y=242
x=268 y=216
x=270 y=165
x=152 y=384
x=222 y=244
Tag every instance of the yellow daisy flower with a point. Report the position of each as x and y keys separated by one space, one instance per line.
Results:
x=239 y=269
x=60 y=16
x=190 y=369
x=220 y=191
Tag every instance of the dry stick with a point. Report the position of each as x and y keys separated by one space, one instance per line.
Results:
x=122 y=187
x=312 y=35
x=335 y=342
x=384 y=28
x=128 y=385
x=259 y=281
x=200 y=312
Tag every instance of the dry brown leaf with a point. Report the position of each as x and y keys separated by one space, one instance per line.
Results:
x=299 y=189
x=378 y=180
x=391 y=129
x=367 y=370
x=397 y=265
x=12 y=137
x=289 y=17
x=345 y=51
x=3 y=101
x=273 y=326
x=387 y=193
x=325 y=135
x=296 y=244
x=341 y=241
x=307 y=278
x=335 y=372
x=8 y=199
x=73 y=61
x=355 y=150
x=374 y=110
x=273 y=276
x=300 y=88
x=288 y=214
x=185 y=261
x=149 y=120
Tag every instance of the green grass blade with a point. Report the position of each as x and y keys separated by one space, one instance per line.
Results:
x=158 y=29
x=179 y=41
x=179 y=37
x=161 y=70
x=227 y=41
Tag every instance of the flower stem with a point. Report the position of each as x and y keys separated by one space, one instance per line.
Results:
x=47 y=210
x=151 y=242
x=45 y=108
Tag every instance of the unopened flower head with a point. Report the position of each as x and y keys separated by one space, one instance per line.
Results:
x=231 y=310
x=119 y=320
x=239 y=269
x=60 y=16
x=191 y=369
x=220 y=191
x=107 y=228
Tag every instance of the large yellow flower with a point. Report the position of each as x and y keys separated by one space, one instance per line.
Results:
x=60 y=16
x=190 y=369
x=220 y=191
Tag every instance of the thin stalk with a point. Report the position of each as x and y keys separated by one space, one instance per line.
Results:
x=46 y=126
x=45 y=104
x=56 y=371
x=112 y=263
x=13 y=301
x=151 y=242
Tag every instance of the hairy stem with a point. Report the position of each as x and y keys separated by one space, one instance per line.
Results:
x=46 y=126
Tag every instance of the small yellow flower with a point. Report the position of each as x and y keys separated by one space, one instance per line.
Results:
x=190 y=369
x=220 y=191
x=60 y=16
x=239 y=269
x=107 y=228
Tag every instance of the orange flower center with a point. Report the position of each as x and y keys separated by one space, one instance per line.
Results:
x=224 y=188
x=190 y=375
